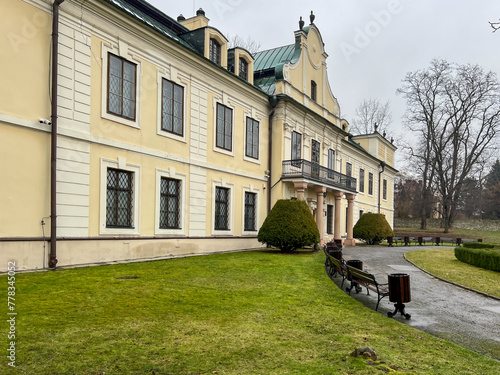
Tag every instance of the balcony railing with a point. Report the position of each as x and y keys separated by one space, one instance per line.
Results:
x=305 y=169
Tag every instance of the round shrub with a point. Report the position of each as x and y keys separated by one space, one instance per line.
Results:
x=289 y=226
x=372 y=228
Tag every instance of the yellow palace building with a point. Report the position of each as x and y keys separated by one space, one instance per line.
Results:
x=126 y=134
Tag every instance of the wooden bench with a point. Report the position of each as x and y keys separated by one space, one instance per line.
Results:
x=362 y=278
x=334 y=266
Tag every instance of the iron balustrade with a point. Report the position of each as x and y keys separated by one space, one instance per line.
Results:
x=313 y=171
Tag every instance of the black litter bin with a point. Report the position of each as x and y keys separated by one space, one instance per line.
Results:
x=399 y=292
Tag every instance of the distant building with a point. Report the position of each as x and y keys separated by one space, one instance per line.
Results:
x=168 y=143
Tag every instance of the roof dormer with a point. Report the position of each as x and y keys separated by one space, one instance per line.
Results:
x=241 y=63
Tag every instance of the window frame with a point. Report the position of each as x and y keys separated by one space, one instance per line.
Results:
x=314 y=91
x=183 y=209
x=125 y=53
x=129 y=190
x=361 y=180
x=120 y=164
x=370 y=183
x=253 y=205
x=124 y=62
x=315 y=152
x=329 y=218
x=215 y=51
x=243 y=73
x=218 y=204
x=331 y=159
x=296 y=145
x=216 y=127
x=253 y=123
x=384 y=189
x=174 y=86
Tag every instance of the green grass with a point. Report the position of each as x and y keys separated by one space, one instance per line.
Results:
x=248 y=313
x=442 y=263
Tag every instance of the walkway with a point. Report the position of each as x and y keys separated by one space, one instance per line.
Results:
x=466 y=318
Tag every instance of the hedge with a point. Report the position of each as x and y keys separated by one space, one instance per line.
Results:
x=486 y=258
x=478 y=245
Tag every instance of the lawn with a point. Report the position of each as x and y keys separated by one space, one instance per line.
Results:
x=259 y=312
x=442 y=263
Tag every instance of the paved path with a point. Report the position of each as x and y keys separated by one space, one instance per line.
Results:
x=466 y=318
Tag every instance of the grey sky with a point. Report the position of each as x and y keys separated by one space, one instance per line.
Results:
x=371 y=44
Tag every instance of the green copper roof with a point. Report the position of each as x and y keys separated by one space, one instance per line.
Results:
x=152 y=17
x=271 y=58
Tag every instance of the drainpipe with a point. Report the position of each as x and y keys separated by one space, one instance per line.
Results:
x=382 y=164
x=53 y=148
x=273 y=100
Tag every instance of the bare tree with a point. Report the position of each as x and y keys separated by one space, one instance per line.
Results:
x=249 y=44
x=455 y=111
x=371 y=115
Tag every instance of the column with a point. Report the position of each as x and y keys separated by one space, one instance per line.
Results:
x=350 y=219
x=319 y=211
x=300 y=187
x=336 y=220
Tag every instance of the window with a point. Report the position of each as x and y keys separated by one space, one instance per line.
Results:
x=170 y=203
x=384 y=189
x=221 y=208
x=315 y=150
x=214 y=51
x=119 y=198
x=296 y=145
x=243 y=69
x=348 y=169
x=172 y=111
x=370 y=183
x=250 y=208
x=331 y=159
x=313 y=90
x=361 y=212
x=329 y=219
x=224 y=137
x=121 y=87
x=252 y=138
x=361 y=180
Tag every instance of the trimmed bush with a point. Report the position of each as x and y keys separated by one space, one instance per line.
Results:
x=289 y=226
x=486 y=258
x=478 y=245
x=372 y=228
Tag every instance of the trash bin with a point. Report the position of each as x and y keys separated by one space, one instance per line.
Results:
x=399 y=292
x=355 y=263
x=337 y=254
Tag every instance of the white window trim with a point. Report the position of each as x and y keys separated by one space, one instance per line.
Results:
x=245 y=157
x=182 y=220
x=123 y=52
x=250 y=189
x=172 y=76
x=224 y=102
x=230 y=231
x=121 y=164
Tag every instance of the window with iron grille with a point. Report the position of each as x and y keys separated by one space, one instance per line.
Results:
x=361 y=180
x=296 y=145
x=315 y=150
x=119 y=198
x=331 y=159
x=221 y=208
x=121 y=87
x=252 y=138
x=243 y=69
x=170 y=203
x=214 y=51
x=329 y=219
x=384 y=190
x=250 y=206
x=370 y=183
x=172 y=111
x=224 y=136
x=313 y=90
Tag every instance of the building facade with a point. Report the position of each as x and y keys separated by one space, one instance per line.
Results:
x=148 y=137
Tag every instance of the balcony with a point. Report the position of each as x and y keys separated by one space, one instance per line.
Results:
x=301 y=168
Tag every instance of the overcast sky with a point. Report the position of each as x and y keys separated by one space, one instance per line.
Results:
x=371 y=44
